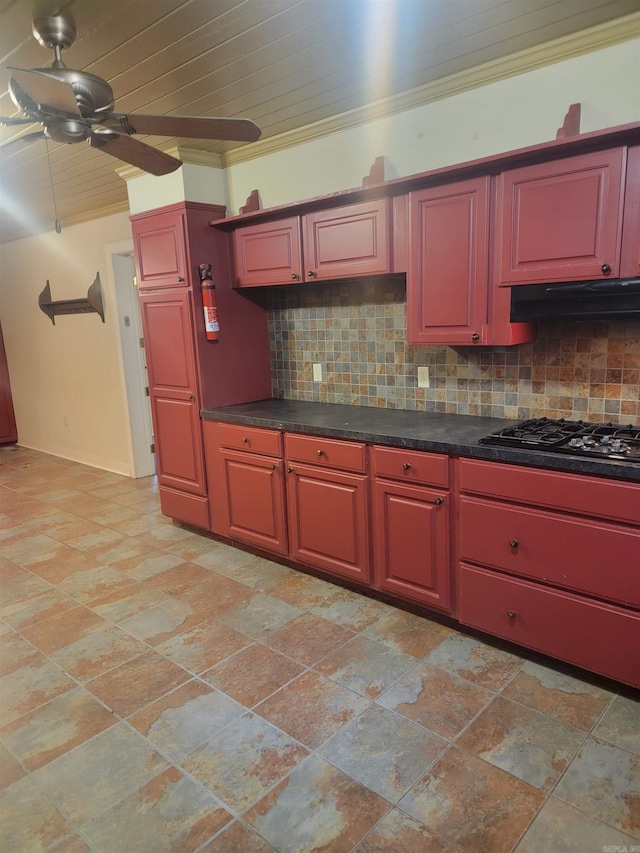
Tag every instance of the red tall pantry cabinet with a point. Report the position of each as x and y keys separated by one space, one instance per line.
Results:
x=186 y=371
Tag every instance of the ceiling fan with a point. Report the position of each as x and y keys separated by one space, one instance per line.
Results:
x=75 y=106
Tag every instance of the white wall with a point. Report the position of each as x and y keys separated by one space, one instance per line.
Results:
x=65 y=379
x=513 y=113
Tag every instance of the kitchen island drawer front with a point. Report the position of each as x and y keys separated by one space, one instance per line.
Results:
x=328 y=452
x=576 y=493
x=253 y=439
x=583 y=555
x=411 y=466
x=598 y=637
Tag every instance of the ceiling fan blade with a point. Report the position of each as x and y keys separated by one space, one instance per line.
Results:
x=26 y=137
x=135 y=152
x=190 y=127
x=10 y=122
x=49 y=93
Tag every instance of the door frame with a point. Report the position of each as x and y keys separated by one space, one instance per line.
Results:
x=121 y=269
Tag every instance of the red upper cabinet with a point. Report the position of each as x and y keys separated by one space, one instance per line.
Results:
x=561 y=221
x=353 y=240
x=342 y=242
x=630 y=253
x=160 y=249
x=268 y=253
x=8 y=431
x=448 y=272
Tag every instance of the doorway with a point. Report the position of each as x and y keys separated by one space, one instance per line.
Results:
x=134 y=369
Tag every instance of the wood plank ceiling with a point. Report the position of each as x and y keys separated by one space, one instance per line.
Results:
x=283 y=63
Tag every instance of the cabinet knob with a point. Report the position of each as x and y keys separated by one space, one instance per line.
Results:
x=512 y=614
x=320 y=452
x=289 y=470
x=274 y=466
x=245 y=440
x=406 y=466
x=513 y=543
x=180 y=279
x=606 y=269
x=439 y=501
x=295 y=276
x=312 y=274
x=475 y=337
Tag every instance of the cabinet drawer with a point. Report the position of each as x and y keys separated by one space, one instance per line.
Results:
x=552 y=490
x=411 y=466
x=598 y=637
x=327 y=452
x=192 y=509
x=252 y=439
x=592 y=557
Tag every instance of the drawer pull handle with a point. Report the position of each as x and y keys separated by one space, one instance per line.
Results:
x=406 y=466
x=320 y=452
x=439 y=501
x=511 y=614
x=513 y=543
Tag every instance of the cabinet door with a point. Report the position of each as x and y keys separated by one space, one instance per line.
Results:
x=347 y=241
x=8 y=432
x=447 y=281
x=561 y=221
x=411 y=542
x=160 y=250
x=268 y=253
x=328 y=523
x=167 y=327
x=253 y=500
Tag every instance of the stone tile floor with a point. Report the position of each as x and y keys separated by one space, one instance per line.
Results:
x=162 y=691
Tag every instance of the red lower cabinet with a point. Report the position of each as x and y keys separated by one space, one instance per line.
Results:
x=246 y=484
x=253 y=500
x=575 y=629
x=328 y=520
x=411 y=526
x=550 y=561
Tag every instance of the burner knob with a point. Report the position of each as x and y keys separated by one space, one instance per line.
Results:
x=617 y=445
x=605 y=439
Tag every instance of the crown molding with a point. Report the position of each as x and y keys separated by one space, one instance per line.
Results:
x=190 y=156
x=566 y=47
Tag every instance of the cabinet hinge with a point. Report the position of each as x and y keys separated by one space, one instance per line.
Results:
x=134 y=280
x=141 y=343
x=146 y=391
x=152 y=447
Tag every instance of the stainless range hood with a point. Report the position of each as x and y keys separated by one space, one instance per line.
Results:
x=584 y=300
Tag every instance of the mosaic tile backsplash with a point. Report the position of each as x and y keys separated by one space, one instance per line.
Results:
x=357 y=332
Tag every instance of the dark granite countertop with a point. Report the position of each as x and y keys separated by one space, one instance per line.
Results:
x=432 y=431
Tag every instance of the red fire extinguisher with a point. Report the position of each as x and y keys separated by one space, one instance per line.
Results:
x=211 y=324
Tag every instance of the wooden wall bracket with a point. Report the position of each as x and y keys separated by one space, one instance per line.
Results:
x=571 y=124
x=376 y=173
x=252 y=203
x=92 y=304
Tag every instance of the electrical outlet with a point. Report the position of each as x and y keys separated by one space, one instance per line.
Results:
x=423 y=377
x=317 y=372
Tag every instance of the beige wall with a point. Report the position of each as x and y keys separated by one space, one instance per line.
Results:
x=512 y=113
x=66 y=379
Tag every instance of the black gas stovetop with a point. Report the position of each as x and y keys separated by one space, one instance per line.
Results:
x=610 y=441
